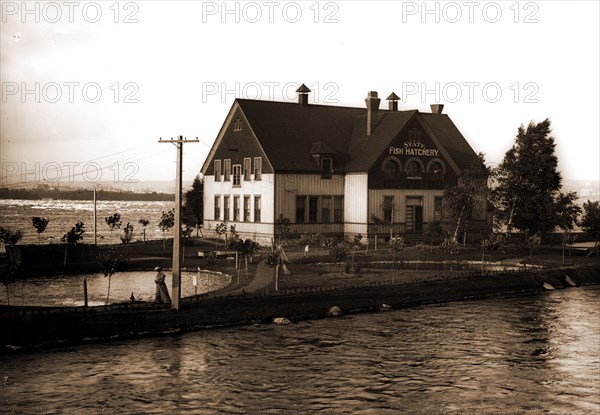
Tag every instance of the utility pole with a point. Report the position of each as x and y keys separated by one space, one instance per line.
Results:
x=177 y=253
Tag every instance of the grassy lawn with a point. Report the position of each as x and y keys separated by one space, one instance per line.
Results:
x=316 y=268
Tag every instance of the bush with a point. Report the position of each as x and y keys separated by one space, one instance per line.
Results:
x=338 y=251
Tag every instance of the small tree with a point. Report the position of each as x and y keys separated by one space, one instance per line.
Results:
x=276 y=258
x=244 y=247
x=127 y=235
x=283 y=227
x=40 y=225
x=533 y=242
x=110 y=261
x=8 y=275
x=419 y=248
x=491 y=244
x=463 y=202
x=10 y=238
x=144 y=222
x=396 y=246
x=113 y=222
x=590 y=223
x=338 y=251
x=221 y=229
x=167 y=221
x=356 y=245
x=567 y=238
x=72 y=237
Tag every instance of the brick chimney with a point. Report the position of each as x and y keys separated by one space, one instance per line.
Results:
x=372 y=108
x=393 y=102
x=437 y=108
x=303 y=95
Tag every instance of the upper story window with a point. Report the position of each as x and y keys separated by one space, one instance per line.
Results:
x=326 y=168
x=436 y=169
x=257 y=168
x=237 y=125
x=247 y=169
x=391 y=169
x=413 y=169
x=237 y=174
x=227 y=169
x=217 y=168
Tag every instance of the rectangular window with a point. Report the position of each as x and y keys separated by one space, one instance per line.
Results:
x=246 y=208
x=338 y=209
x=256 y=208
x=247 y=169
x=217 y=207
x=300 y=209
x=326 y=209
x=437 y=209
x=226 y=208
x=227 y=168
x=237 y=174
x=257 y=168
x=388 y=209
x=217 y=169
x=313 y=206
x=327 y=168
x=236 y=208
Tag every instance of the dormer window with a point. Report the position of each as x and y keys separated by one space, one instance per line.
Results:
x=326 y=167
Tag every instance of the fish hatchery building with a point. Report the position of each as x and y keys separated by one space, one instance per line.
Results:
x=334 y=170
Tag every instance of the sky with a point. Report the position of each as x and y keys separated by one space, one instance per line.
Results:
x=88 y=88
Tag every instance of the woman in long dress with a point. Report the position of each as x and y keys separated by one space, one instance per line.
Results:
x=162 y=293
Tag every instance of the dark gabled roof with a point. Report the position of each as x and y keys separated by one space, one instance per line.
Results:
x=365 y=150
x=291 y=134
x=287 y=131
x=451 y=138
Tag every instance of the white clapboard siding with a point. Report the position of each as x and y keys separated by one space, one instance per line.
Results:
x=288 y=186
x=376 y=197
x=263 y=188
x=356 y=198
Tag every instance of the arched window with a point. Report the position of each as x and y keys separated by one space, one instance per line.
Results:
x=413 y=169
x=391 y=169
x=437 y=170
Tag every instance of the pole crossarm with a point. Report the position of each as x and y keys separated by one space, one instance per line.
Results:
x=177 y=251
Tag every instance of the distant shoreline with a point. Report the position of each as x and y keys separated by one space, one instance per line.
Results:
x=83 y=194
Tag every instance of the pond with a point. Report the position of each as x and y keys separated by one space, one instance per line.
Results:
x=444 y=266
x=67 y=290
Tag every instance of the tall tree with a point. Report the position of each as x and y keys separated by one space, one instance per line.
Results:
x=590 y=222
x=193 y=209
x=467 y=200
x=528 y=181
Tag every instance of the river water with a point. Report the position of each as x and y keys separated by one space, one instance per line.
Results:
x=519 y=354
x=63 y=214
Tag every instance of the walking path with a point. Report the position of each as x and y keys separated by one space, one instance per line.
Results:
x=263 y=278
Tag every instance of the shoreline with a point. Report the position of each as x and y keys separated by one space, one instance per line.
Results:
x=30 y=332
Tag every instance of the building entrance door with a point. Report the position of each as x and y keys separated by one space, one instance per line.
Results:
x=414 y=215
